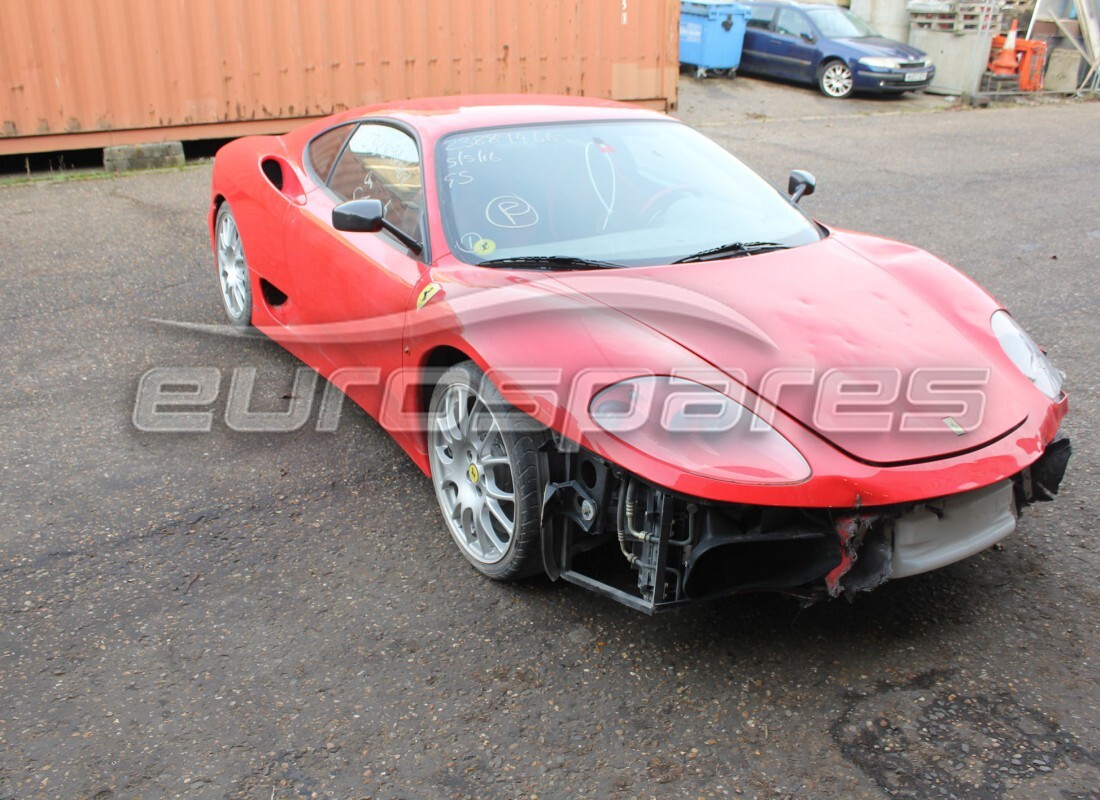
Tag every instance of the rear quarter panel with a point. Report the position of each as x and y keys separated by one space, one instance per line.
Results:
x=257 y=206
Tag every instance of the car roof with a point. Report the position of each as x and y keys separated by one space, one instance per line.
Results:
x=438 y=116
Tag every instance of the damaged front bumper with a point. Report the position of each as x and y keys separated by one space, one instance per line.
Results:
x=653 y=549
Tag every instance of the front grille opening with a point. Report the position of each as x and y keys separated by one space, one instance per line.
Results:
x=776 y=564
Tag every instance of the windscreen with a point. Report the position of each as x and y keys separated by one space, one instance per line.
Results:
x=631 y=193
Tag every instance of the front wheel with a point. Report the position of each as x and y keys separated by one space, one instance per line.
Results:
x=484 y=457
x=835 y=79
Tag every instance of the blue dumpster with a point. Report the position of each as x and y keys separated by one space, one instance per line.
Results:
x=712 y=33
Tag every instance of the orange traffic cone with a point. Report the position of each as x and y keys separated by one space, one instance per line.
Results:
x=1005 y=62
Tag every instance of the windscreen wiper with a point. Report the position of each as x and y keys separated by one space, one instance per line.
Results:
x=732 y=250
x=550 y=262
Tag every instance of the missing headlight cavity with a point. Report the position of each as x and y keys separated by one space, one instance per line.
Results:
x=654 y=549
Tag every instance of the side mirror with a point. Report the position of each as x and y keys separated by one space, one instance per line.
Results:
x=367 y=215
x=358 y=216
x=807 y=37
x=800 y=184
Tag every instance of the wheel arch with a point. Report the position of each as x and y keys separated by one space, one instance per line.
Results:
x=216 y=203
x=828 y=59
x=434 y=364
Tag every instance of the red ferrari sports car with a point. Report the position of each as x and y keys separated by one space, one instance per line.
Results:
x=627 y=361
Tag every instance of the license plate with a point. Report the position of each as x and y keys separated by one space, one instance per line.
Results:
x=913 y=77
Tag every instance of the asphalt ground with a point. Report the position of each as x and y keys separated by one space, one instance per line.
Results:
x=231 y=615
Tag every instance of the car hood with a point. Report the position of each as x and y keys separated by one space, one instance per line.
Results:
x=859 y=309
x=881 y=46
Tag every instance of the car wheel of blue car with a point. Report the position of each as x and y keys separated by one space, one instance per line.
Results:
x=233 y=277
x=835 y=79
x=484 y=455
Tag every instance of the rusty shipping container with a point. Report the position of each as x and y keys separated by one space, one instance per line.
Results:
x=77 y=73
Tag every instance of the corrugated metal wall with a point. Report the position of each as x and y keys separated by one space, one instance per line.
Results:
x=85 y=73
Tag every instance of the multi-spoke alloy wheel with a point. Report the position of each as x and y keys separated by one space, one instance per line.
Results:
x=232 y=269
x=484 y=461
x=836 y=79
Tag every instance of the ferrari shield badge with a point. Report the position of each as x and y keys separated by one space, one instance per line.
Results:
x=426 y=294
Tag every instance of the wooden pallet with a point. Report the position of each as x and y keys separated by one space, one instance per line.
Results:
x=959 y=18
x=1017 y=9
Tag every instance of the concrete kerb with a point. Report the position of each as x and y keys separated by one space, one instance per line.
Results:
x=121 y=158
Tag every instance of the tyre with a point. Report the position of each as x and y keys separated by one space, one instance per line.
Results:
x=484 y=457
x=233 y=275
x=835 y=79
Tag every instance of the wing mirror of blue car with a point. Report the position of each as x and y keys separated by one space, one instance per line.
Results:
x=807 y=37
x=367 y=215
x=800 y=184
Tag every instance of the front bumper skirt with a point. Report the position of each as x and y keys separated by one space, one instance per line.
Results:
x=936 y=535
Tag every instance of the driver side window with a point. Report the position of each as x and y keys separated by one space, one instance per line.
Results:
x=381 y=162
x=792 y=23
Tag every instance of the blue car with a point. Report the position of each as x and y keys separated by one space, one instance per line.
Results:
x=831 y=47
